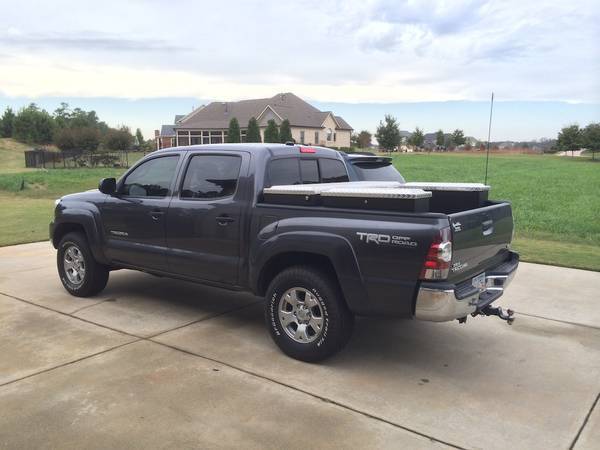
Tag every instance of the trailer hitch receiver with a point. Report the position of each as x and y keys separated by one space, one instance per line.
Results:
x=490 y=310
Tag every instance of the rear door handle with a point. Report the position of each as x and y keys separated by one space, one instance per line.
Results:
x=224 y=220
x=156 y=214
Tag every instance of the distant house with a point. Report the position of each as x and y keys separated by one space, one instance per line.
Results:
x=166 y=137
x=209 y=124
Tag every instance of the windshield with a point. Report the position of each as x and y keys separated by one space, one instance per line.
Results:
x=377 y=171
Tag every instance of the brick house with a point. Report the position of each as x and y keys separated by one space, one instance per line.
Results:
x=209 y=124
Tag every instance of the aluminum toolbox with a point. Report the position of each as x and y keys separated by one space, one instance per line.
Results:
x=309 y=194
x=449 y=198
x=382 y=198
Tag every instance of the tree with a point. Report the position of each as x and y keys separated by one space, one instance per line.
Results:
x=388 y=133
x=285 y=132
x=591 y=138
x=33 y=125
x=570 y=138
x=440 y=138
x=77 y=140
x=271 y=132
x=139 y=137
x=233 y=134
x=363 y=139
x=118 y=139
x=6 y=123
x=458 y=137
x=417 y=138
x=253 y=132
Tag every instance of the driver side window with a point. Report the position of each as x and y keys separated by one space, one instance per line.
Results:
x=151 y=179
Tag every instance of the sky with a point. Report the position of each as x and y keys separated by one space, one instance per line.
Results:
x=431 y=63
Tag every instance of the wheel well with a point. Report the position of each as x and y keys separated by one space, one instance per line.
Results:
x=63 y=229
x=284 y=260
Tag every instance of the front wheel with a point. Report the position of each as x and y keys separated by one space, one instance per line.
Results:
x=306 y=314
x=80 y=273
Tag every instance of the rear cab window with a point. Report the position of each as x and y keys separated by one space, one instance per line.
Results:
x=285 y=171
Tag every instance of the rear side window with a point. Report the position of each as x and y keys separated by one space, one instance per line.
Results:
x=284 y=171
x=309 y=170
x=211 y=176
x=332 y=171
x=151 y=178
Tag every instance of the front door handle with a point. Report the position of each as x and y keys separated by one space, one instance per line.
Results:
x=156 y=214
x=224 y=220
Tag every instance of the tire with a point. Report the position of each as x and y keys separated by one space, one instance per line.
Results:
x=319 y=325
x=80 y=273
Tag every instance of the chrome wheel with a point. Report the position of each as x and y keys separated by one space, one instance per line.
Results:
x=74 y=265
x=300 y=315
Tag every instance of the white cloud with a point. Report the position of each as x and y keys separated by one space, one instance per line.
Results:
x=380 y=51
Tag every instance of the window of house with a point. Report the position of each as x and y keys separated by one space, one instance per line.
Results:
x=329 y=134
x=334 y=136
x=243 y=136
x=332 y=171
x=309 y=171
x=211 y=176
x=151 y=178
x=316 y=138
x=195 y=140
x=302 y=136
x=216 y=137
x=183 y=138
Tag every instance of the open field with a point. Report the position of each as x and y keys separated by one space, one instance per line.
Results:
x=555 y=199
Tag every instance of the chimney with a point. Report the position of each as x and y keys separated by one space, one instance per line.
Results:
x=156 y=133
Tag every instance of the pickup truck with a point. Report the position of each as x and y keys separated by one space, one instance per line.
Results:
x=201 y=214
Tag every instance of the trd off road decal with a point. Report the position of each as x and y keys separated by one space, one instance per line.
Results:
x=386 y=239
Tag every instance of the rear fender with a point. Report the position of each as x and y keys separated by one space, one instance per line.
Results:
x=335 y=248
x=85 y=218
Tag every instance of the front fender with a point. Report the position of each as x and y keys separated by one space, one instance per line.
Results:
x=67 y=216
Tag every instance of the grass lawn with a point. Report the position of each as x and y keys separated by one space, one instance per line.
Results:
x=556 y=200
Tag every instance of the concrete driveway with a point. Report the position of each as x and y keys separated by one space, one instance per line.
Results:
x=156 y=363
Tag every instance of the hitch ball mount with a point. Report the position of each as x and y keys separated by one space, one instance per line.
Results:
x=489 y=310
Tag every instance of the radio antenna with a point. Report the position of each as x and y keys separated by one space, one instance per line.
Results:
x=487 y=153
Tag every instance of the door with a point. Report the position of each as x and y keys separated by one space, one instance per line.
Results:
x=134 y=219
x=203 y=223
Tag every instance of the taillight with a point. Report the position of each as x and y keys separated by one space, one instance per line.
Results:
x=307 y=150
x=439 y=255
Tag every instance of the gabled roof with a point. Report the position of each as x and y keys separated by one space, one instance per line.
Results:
x=167 y=130
x=287 y=106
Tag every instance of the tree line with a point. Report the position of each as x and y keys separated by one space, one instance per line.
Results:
x=71 y=130
x=273 y=132
x=389 y=137
x=573 y=138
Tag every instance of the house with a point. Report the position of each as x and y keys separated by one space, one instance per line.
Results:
x=166 y=136
x=209 y=124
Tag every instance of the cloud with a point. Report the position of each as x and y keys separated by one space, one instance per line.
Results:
x=368 y=50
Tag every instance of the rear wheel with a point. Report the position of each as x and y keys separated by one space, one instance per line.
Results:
x=80 y=274
x=306 y=314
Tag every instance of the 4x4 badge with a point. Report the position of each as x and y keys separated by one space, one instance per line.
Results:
x=457 y=226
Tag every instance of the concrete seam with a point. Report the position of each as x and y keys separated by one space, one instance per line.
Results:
x=311 y=394
x=68 y=363
x=585 y=421
x=204 y=319
x=90 y=306
x=558 y=320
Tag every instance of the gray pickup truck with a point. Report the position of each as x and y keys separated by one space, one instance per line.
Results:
x=321 y=235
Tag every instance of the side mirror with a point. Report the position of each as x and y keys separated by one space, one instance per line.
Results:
x=108 y=186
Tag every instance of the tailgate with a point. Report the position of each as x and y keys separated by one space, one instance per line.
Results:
x=480 y=239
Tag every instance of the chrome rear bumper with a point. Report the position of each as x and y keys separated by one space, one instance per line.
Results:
x=450 y=302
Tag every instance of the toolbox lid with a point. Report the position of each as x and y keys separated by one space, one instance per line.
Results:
x=436 y=186
x=318 y=188
x=376 y=192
